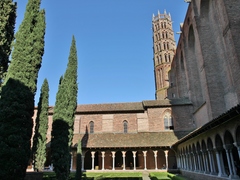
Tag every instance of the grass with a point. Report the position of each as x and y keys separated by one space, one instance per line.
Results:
x=164 y=176
x=117 y=176
x=99 y=175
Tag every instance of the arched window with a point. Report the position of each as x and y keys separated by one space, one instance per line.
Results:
x=169 y=57
x=166 y=35
x=91 y=129
x=168 y=123
x=125 y=126
x=167 y=45
x=163 y=35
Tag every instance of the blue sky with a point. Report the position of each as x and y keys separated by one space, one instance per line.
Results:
x=114 y=44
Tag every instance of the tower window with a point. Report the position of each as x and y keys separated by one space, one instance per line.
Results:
x=125 y=126
x=167 y=45
x=169 y=57
x=91 y=124
x=168 y=122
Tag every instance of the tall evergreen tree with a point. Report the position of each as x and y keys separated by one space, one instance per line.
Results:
x=63 y=117
x=17 y=97
x=78 y=175
x=41 y=126
x=7 y=25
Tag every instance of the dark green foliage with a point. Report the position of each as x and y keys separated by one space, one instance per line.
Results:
x=60 y=149
x=29 y=46
x=17 y=97
x=16 y=111
x=63 y=117
x=41 y=126
x=7 y=25
x=79 y=161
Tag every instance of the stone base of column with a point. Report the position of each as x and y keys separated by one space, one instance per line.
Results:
x=222 y=175
x=233 y=177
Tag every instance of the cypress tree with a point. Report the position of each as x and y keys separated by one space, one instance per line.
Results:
x=63 y=117
x=17 y=97
x=41 y=126
x=78 y=175
x=7 y=25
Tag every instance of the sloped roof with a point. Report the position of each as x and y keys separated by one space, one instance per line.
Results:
x=111 y=107
x=227 y=116
x=121 y=140
x=127 y=107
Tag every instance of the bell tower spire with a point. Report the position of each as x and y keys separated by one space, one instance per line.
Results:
x=164 y=47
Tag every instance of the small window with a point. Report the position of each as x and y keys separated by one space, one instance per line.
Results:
x=125 y=126
x=168 y=122
x=91 y=124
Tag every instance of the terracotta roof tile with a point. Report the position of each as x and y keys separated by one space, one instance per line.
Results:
x=121 y=140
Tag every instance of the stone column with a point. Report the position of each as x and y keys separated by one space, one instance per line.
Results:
x=231 y=165
x=222 y=163
x=219 y=162
x=155 y=158
x=103 y=155
x=199 y=162
x=123 y=156
x=134 y=159
x=113 y=160
x=145 y=163
x=238 y=148
x=194 y=162
x=210 y=161
x=180 y=161
x=83 y=162
x=166 y=157
x=93 y=156
x=205 y=160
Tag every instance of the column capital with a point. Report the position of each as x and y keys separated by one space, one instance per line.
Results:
x=166 y=152
x=123 y=153
x=103 y=153
x=144 y=153
x=155 y=153
x=134 y=153
x=113 y=153
x=93 y=154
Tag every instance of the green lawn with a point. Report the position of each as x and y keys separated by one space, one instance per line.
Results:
x=164 y=176
x=99 y=175
x=117 y=176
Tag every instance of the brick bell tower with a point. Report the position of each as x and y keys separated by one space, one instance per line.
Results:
x=164 y=47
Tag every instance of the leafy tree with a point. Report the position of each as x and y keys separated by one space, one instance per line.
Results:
x=63 y=117
x=78 y=175
x=7 y=25
x=41 y=126
x=17 y=97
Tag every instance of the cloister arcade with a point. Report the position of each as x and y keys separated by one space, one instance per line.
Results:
x=216 y=152
x=126 y=159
